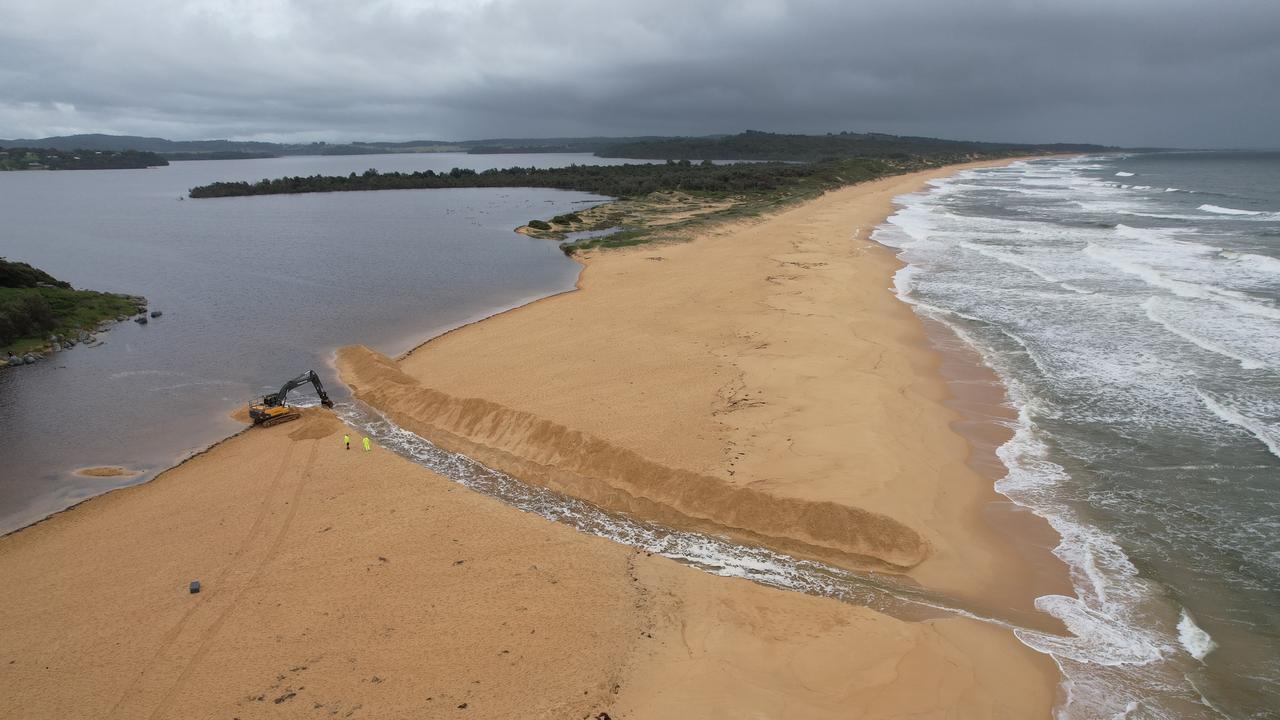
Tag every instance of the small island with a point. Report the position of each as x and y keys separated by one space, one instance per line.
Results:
x=24 y=158
x=36 y=308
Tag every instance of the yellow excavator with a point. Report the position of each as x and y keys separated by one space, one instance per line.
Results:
x=272 y=410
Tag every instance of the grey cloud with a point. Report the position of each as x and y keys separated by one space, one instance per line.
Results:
x=1142 y=72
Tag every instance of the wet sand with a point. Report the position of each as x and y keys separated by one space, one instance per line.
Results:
x=348 y=584
x=337 y=583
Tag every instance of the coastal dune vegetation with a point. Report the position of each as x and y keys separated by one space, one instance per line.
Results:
x=34 y=304
x=782 y=169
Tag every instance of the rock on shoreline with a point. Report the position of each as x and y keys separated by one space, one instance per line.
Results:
x=58 y=343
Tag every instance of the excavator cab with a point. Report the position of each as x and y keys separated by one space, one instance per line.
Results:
x=272 y=409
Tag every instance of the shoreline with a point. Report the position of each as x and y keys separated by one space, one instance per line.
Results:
x=1029 y=535
x=1017 y=522
x=984 y=417
x=577 y=285
x=644 y=636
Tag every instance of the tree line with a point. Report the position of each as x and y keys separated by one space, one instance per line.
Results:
x=755 y=145
x=23 y=158
x=619 y=181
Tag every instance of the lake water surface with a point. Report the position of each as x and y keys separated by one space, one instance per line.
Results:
x=254 y=291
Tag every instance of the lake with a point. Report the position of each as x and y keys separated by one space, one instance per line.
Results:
x=254 y=291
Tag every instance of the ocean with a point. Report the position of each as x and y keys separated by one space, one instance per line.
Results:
x=254 y=291
x=1131 y=306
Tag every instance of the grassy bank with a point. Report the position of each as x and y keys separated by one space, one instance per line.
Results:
x=35 y=305
x=682 y=210
x=31 y=315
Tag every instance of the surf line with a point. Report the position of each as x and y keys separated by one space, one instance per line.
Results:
x=710 y=554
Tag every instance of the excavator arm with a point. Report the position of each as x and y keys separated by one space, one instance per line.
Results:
x=309 y=376
x=272 y=409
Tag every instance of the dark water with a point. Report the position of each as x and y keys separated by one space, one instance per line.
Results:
x=253 y=290
x=1132 y=306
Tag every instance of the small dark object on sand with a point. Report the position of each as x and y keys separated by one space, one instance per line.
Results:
x=195 y=586
x=156 y=313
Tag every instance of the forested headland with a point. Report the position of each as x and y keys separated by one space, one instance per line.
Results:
x=708 y=192
x=34 y=305
x=24 y=158
x=613 y=180
x=755 y=145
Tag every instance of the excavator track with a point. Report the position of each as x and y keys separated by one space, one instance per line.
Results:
x=275 y=402
x=280 y=419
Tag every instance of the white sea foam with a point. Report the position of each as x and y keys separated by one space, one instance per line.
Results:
x=1156 y=278
x=1076 y=288
x=1164 y=237
x=1161 y=216
x=1254 y=262
x=1219 y=210
x=1266 y=434
x=1154 y=306
x=1118 y=660
x=1010 y=258
x=1096 y=638
x=1195 y=640
x=1124 y=174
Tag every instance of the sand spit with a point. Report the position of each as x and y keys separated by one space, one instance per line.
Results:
x=762 y=378
x=579 y=464
x=343 y=584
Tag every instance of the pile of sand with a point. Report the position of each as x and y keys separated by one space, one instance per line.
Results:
x=106 y=471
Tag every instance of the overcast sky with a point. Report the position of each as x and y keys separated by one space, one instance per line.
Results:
x=1193 y=73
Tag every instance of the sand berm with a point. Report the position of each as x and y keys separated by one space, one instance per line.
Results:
x=760 y=382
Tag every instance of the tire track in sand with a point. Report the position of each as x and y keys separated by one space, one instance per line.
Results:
x=153 y=673
x=273 y=549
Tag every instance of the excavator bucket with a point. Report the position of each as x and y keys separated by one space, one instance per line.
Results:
x=273 y=410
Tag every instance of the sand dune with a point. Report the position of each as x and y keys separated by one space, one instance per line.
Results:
x=579 y=464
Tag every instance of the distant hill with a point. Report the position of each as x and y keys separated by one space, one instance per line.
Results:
x=755 y=145
x=243 y=149
x=194 y=149
x=750 y=145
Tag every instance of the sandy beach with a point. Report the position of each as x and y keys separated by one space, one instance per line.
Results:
x=760 y=382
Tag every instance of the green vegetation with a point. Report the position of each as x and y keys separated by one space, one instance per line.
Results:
x=17 y=158
x=666 y=200
x=754 y=145
x=614 y=180
x=34 y=305
x=21 y=275
x=217 y=155
x=655 y=200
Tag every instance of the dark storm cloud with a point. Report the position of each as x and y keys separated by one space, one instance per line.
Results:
x=1139 y=72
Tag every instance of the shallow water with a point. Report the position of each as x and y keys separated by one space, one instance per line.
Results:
x=1131 y=304
x=254 y=291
